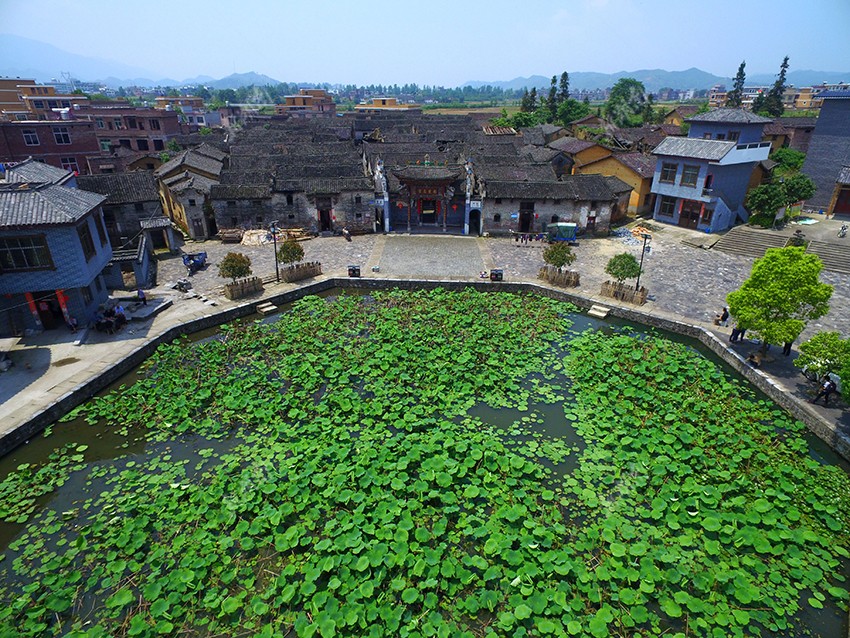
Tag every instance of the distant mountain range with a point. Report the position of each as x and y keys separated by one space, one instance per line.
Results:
x=656 y=79
x=44 y=62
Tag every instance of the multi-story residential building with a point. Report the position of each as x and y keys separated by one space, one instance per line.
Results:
x=118 y=124
x=386 y=105
x=53 y=252
x=66 y=144
x=717 y=96
x=701 y=181
x=172 y=103
x=42 y=102
x=10 y=97
x=308 y=103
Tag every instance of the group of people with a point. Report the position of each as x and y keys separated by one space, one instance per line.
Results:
x=110 y=320
x=525 y=238
x=827 y=386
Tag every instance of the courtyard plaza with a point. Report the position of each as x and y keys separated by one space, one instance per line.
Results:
x=685 y=282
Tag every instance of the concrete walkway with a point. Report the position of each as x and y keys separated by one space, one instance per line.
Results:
x=685 y=283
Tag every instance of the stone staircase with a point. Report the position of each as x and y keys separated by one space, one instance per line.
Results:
x=835 y=257
x=751 y=242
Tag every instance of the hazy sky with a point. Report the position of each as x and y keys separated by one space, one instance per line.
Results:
x=443 y=42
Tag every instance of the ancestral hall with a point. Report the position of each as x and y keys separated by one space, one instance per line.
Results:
x=406 y=172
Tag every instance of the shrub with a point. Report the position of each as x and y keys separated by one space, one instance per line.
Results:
x=558 y=255
x=234 y=265
x=623 y=266
x=290 y=251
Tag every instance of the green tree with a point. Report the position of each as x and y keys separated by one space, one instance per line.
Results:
x=234 y=265
x=825 y=352
x=559 y=254
x=525 y=103
x=290 y=252
x=733 y=98
x=782 y=293
x=626 y=101
x=571 y=110
x=767 y=199
x=648 y=114
x=623 y=266
x=772 y=103
x=564 y=88
x=552 y=99
x=789 y=161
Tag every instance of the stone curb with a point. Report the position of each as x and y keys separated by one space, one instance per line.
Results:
x=84 y=391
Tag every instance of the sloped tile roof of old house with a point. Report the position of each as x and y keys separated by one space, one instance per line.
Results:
x=122 y=188
x=31 y=170
x=571 y=145
x=31 y=204
x=574 y=187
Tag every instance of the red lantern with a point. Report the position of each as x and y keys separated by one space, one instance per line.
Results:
x=454 y=206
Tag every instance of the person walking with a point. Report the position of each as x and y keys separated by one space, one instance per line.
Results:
x=142 y=297
x=827 y=387
x=786 y=348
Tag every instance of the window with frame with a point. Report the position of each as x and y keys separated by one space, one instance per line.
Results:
x=154 y=125
x=98 y=283
x=498 y=200
x=721 y=136
x=289 y=199
x=99 y=122
x=689 y=175
x=734 y=135
x=497 y=218
x=357 y=199
x=105 y=145
x=143 y=145
x=53 y=104
x=131 y=122
x=38 y=104
x=707 y=214
x=25 y=253
x=85 y=291
x=668 y=172
x=116 y=121
x=30 y=137
x=192 y=202
x=69 y=164
x=101 y=229
x=706 y=136
x=125 y=143
x=84 y=233
x=61 y=135
x=667 y=208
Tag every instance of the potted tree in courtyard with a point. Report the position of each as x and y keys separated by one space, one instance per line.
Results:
x=621 y=267
x=557 y=256
x=235 y=266
x=291 y=253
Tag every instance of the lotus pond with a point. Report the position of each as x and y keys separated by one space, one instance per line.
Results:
x=340 y=472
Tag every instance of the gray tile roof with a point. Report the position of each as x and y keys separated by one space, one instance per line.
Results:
x=122 y=188
x=573 y=187
x=32 y=171
x=844 y=176
x=190 y=159
x=732 y=116
x=694 y=148
x=44 y=204
x=617 y=185
x=414 y=172
x=643 y=165
x=570 y=145
x=239 y=191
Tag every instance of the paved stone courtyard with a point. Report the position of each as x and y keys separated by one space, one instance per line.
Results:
x=682 y=279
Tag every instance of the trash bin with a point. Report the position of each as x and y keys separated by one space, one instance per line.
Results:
x=496 y=274
x=354 y=271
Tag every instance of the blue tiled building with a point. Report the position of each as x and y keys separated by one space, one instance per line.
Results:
x=701 y=181
x=53 y=250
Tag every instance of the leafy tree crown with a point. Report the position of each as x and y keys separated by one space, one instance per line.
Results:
x=559 y=255
x=234 y=265
x=290 y=252
x=623 y=266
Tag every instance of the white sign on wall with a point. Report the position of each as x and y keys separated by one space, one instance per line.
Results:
x=475 y=203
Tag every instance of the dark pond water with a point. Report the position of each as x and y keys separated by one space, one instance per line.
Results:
x=539 y=422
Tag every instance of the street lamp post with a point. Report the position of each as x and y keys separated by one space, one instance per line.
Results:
x=646 y=238
x=273 y=230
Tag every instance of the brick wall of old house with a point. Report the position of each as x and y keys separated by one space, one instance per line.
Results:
x=497 y=217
